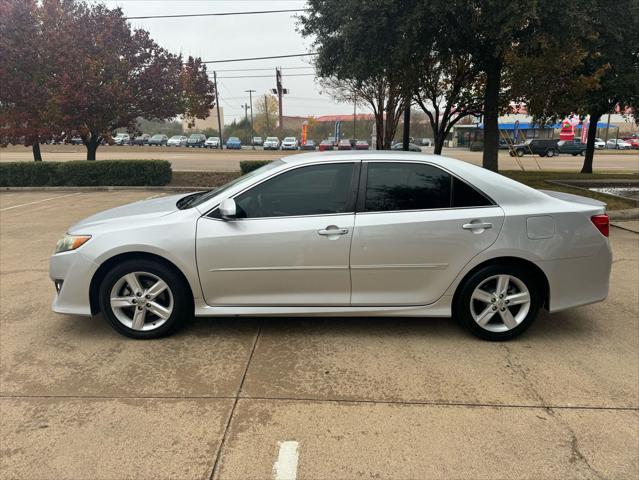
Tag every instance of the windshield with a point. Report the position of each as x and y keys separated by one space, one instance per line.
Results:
x=194 y=137
x=271 y=139
x=176 y=137
x=195 y=199
x=289 y=139
x=234 y=139
x=157 y=136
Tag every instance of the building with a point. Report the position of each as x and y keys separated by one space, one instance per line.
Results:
x=209 y=122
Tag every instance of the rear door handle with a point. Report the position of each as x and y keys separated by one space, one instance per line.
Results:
x=333 y=230
x=477 y=226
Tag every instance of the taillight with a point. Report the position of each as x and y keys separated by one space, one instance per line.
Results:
x=602 y=223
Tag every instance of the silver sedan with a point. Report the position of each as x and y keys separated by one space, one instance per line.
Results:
x=347 y=233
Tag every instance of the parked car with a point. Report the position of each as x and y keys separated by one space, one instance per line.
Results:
x=544 y=147
x=503 y=144
x=141 y=139
x=196 y=140
x=326 y=145
x=481 y=247
x=257 y=141
x=344 y=144
x=425 y=142
x=573 y=147
x=309 y=145
x=361 y=145
x=411 y=147
x=271 y=143
x=619 y=144
x=177 y=141
x=76 y=140
x=289 y=143
x=599 y=144
x=633 y=141
x=122 y=139
x=233 y=143
x=159 y=140
x=212 y=142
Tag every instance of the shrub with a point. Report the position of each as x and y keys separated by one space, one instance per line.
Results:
x=477 y=146
x=85 y=173
x=247 y=166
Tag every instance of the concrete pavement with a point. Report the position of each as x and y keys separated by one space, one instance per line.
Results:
x=363 y=398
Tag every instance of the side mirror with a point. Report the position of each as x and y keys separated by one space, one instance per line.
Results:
x=227 y=208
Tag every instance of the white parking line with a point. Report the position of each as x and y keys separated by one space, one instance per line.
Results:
x=285 y=468
x=39 y=201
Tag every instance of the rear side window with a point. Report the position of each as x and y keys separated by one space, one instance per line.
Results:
x=406 y=186
x=414 y=186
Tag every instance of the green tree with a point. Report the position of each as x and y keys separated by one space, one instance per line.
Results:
x=358 y=56
x=591 y=73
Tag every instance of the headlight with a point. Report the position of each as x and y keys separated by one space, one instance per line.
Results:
x=71 y=242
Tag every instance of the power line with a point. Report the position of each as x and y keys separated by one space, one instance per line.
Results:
x=260 y=58
x=260 y=69
x=218 y=14
x=271 y=76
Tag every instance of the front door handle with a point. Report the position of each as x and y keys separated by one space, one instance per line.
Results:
x=477 y=226
x=333 y=230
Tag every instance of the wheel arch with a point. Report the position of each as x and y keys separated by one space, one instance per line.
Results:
x=538 y=273
x=102 y=270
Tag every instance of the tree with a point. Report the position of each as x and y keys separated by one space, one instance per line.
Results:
x=590 y=73
x=359 y=58
x=26 y=115
x=490 y=31
x=448 y=90
x=265 y=120
x=99 y=74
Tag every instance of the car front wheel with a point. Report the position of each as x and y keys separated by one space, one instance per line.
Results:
x=520 y=152
x=498 y=302
x=144 y=299
x=550 y=153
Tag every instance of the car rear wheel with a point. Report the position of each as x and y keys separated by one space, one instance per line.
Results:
x=498 y=302
x=520 y=152
x=582 y=153
x=550 y=153
x=143 y=299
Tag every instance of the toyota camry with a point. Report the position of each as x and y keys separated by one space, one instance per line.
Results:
x=343 y=234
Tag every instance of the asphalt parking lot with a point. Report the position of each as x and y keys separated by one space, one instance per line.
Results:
x=355 y=398
x=204 y=159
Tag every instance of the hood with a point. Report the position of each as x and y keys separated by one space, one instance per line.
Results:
x=133 y=212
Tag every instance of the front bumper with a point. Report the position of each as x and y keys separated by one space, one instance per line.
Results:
x=75 y=271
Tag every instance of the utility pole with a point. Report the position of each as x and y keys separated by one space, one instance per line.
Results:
x=250 y=92
x=268 y=120
x=279 y=91
x=245 y=107
x=354 y=113
x=217 y=106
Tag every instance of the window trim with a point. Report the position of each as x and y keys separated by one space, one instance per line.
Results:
x=350 y=202
x=363 y=183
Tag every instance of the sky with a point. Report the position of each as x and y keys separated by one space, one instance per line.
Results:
x=218 y=38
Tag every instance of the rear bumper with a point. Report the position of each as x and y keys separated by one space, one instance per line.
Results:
x=578 y=281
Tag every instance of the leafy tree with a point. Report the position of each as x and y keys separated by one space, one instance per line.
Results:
x=102 y=75
x=265 y=120
x=599 y=73
x=358 y=59
x=26 y=115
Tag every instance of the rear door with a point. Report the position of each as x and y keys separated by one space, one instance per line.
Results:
x=416 y=227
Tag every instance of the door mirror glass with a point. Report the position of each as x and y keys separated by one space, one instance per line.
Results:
x=228 y=209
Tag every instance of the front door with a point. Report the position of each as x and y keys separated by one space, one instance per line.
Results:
x=416 y=228
x=289 y=245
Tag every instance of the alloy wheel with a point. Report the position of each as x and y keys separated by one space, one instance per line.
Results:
x=141 y=301
x=500 y=303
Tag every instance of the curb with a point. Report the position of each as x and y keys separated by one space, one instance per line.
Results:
x=626 y=214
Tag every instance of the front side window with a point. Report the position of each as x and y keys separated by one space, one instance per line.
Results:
x=313 y=190
x=415 y=186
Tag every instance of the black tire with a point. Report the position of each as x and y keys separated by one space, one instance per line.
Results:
x=463 y=298
x=550 y=152
x=520 y=152
x=182 y=298
x=582 y=153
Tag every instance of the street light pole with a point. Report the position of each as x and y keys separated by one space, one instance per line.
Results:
x=250 y=92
